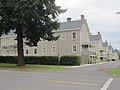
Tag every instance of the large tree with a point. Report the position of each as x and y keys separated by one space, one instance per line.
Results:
x=32 y=20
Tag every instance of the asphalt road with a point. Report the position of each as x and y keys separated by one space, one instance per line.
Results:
x=83 y=78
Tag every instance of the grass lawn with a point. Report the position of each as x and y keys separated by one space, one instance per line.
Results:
x=31 y=68
x=115 y=71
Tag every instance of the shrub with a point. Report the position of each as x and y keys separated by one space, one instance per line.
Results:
x=8 y=59
x=49 y=60
x=70 y=60
x=31 y=60
x=44 y=60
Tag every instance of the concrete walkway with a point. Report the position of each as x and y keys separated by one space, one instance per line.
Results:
x=84 y=65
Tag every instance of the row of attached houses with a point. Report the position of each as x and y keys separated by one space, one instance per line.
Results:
x=75 y=39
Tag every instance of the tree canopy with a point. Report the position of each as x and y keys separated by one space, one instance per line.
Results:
x=32 y=20
x=36 y=18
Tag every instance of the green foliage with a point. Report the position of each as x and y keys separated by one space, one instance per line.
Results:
x=33 y=20
x=32 y=68
x=36 y=18
x=115 y=71
x=8 y=59
x=43 y=60
x=70 y=60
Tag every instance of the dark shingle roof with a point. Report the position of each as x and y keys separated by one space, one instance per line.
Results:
x=95 y=37
x=63 y=25
x=71 y=24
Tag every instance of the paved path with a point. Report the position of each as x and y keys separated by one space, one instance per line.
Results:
x=82 y=78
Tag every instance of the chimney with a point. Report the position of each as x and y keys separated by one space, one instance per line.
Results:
x=99 y=33
x=82 y=17
x=68 y=19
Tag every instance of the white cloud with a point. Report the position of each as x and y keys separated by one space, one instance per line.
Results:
x=100 y=14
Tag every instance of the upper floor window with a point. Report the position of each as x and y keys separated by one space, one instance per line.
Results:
x=11 y=41
x=74 y=48
x=4 y=41
x=63 y=36
x=74 y=35
x=53 y=50
x=44 y=50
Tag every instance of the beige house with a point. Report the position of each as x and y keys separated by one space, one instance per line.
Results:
x=104 y=51
x=101 y=50
x=74 y=39
x=112 y=54
x=8 y=45
x=96 y=45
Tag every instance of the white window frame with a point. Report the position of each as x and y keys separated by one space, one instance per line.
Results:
x=53 y=50
x=43 y=50
x=73 y=48
x=34 y=51
x=11 y=41
x=63 y=36
x=4 y=41
x=27 y=51
x=75 y=34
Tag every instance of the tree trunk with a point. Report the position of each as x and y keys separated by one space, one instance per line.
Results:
x=21 y=61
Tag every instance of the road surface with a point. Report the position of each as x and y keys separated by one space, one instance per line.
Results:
x=82 y=78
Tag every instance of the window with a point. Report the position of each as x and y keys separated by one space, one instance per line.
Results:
x=74 y=35
x=35 y=51
x=53 y=50
x=11 y=41
x=74 y=48
x=4 y=41
x=26 y=51
x=63 y=36
x=44 y=50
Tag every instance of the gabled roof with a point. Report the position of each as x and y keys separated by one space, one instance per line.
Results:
x=95 y=37
x=71 y=24
x=105 y=44
x=63 y=26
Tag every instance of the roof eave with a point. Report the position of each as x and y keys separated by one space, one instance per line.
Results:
x=62 y=30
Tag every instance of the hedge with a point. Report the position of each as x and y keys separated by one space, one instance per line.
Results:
x=44 y=60
x=70 y=60
x=8 y=59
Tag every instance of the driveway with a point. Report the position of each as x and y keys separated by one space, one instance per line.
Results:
x=91 y=77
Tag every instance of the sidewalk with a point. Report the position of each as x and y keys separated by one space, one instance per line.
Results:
x=84 y=65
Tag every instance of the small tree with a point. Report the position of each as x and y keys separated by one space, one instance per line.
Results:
x=32 y=20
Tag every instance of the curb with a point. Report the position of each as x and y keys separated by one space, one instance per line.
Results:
x=85 y=65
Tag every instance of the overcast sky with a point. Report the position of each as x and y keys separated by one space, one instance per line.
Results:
x=100 y=14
